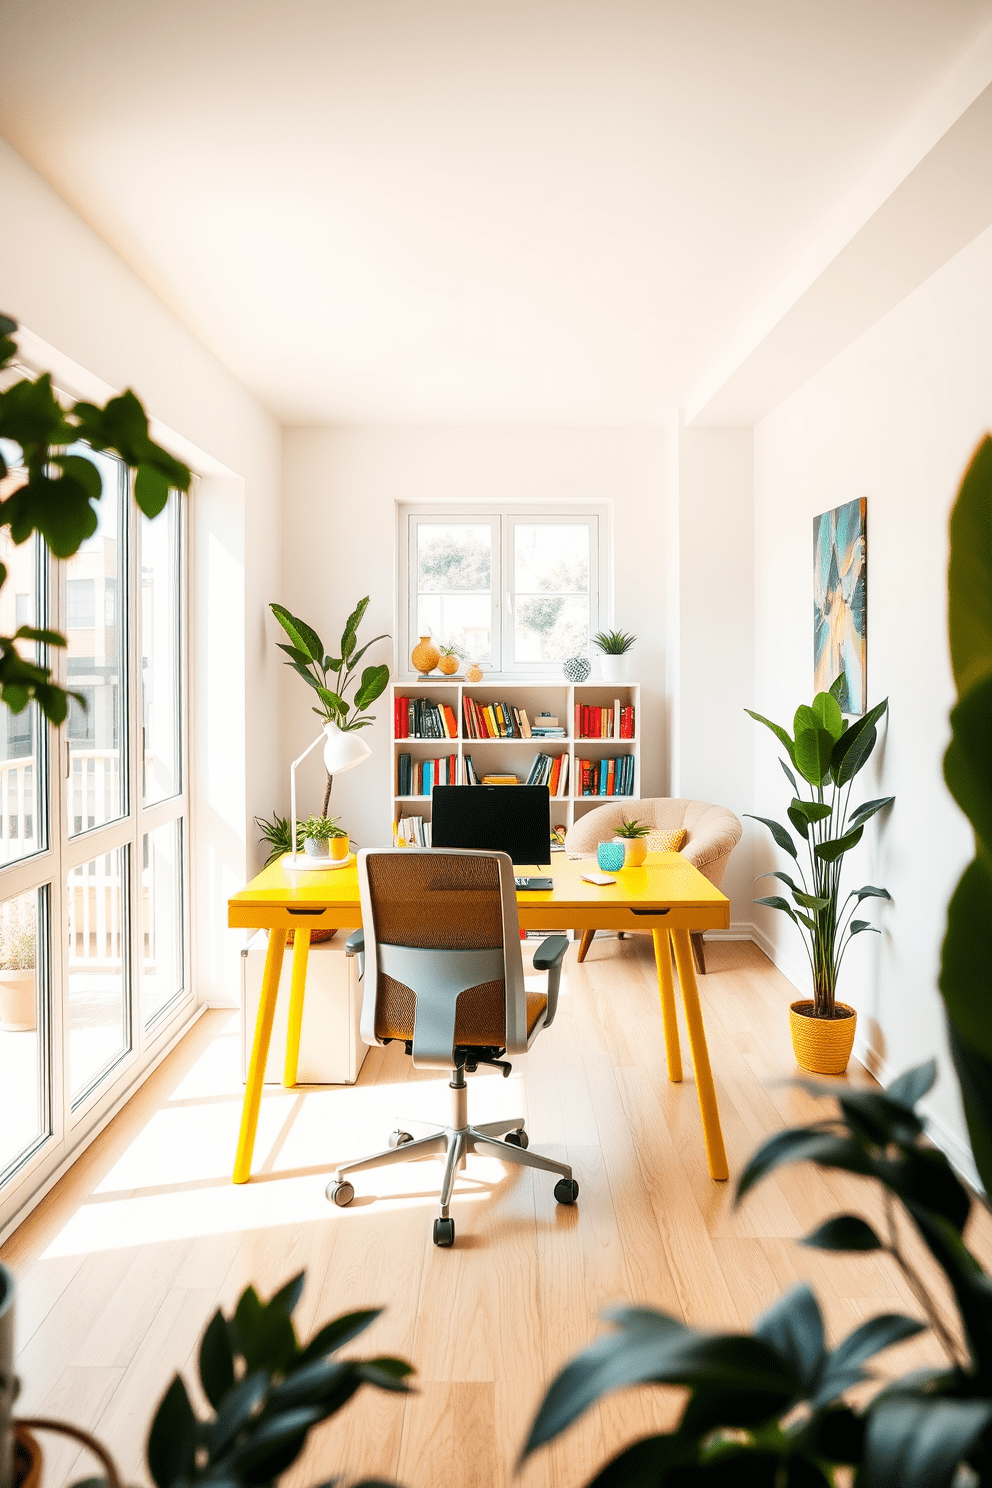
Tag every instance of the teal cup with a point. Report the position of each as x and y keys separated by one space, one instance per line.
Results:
x=609 y=856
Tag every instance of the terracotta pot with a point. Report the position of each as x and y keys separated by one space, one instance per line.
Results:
x=27 y=1459
x=635 y=850
x=18 y=1012
x=340 y=847
x=822 y=1045
x=473 y=673
x=425 y=655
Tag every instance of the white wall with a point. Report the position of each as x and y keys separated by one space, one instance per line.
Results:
x=893 y=419
x=340 y=489
x=62 y=282
x=713 y=739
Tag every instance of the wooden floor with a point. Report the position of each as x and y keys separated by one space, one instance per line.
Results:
x=122 y=1265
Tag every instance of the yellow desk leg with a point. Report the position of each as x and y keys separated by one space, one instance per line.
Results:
x=716 y=1154
x=666 y=987
x=301 y=950
x=259 y=1054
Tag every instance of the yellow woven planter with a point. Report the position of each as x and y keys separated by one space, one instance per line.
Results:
x=822 y=1045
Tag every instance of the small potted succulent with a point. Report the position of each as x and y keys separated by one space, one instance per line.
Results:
x=614 y=646
x=18 y=1012
x=449 y=659
x=635 y=849
x=323 y=838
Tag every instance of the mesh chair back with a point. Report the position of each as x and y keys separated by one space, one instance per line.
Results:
x=442 y=900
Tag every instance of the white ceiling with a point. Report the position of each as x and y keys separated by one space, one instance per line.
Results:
x=451 y=211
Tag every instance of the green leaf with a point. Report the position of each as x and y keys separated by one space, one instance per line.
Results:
x=813 y=811
x=336 y=1334
x=336 y=705
x=915 y=1441
x=216 y=1360
x=43 y=637
x=302 y=636
x=172 y=1439
x=298 y=657
x=354 y=660
x=853 y=749
x=238 y=1407
x=974 y=1072
x=914 y=1084
x=349 y=635
x=374 y=681
x=826 y=711
x=838 y=687
x=844 y=1368
x=789 y=776
x=810 y=901
x=966 y=762
x=868 y=809
x=779 y=732
x=858 y=927
x=775 y=901
x=264 y=1335
x=836 y=847
x=843 y=1232
x=645 y=1464
x=800 y=1144
x=969 y=578
x=272 y=1446
x=869 y=891
x=813 y=751
x=151 y=490
x=793 y=1327
x=779 y=833
x=289 y=1294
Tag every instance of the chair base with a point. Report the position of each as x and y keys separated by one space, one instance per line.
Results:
x=456 y=1141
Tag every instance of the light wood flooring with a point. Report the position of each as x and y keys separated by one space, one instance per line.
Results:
x=122 y=1265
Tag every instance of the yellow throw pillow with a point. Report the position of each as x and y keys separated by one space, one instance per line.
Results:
x=662 y=841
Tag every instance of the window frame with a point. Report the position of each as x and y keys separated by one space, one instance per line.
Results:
x=504 y=516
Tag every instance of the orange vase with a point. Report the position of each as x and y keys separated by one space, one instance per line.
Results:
x=448 y=665
x=473 y=673
x=425 y=655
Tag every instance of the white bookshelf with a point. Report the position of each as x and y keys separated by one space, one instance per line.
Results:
x=515 y=756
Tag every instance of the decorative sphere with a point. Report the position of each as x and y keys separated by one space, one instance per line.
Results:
x=577 y=668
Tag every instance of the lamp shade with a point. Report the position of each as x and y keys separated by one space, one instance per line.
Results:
x=342 y=751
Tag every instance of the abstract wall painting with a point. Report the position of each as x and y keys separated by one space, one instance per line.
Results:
x=840 y=610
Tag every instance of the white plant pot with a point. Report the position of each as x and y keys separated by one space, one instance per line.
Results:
x=316 y=847
x=18 y=1013
x=614 y=668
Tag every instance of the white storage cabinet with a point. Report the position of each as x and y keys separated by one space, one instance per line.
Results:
x=332 y=1051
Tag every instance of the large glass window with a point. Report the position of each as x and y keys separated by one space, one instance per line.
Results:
x=515 y=590
x=23 y=819
x=96 y=661
x=159 y=553
x=24 y=1105
x=98 y=1005
x=161 y=918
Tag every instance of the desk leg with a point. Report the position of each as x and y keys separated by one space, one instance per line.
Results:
x=259 y=1054
x=301 y=950
x=666 y=988
x=716 y=1154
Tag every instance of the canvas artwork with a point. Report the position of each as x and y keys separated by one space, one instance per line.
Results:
x=840 y=609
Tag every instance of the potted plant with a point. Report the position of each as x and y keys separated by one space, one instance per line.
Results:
x=449 y=659
x=614 y=646
x=635 y=849
x=17 y=965
x=307 y=658
x=323 y=838
x=278 y=834
x=827 y=752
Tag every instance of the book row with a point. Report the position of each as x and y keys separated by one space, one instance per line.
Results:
x=616 y=722
x=606 y=777
x=419 y=777
x=420 y=718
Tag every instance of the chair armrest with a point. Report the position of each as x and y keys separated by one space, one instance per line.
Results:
x=355 y=944
x=548 y=957
x=550 y=952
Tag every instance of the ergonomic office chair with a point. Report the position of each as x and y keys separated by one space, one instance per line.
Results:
x=443 y=972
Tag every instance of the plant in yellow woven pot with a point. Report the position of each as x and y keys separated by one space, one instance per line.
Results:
x=827 y=752
x=635 y=849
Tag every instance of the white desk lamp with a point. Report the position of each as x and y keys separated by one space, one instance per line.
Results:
x=341 y=752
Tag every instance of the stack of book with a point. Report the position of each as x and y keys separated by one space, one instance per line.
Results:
x=546 y=726
x=419 y=777
x=550 y=771
x=611 y=722
x=495 y=720
x=606 y=777
x=421 y=718
x=500 y=780
x=414 y=831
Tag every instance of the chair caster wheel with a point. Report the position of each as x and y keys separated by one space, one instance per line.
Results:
x=566 y=1190
x=444 y=1233
x=518 y=1138
x=340 y=1193
x=399 y=1139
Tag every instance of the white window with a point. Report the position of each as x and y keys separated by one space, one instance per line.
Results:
x=513 y=588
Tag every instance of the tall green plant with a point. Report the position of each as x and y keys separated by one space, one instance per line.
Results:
x=828 y=753
x=966 y=964
x=58 y=494
x=309 y=660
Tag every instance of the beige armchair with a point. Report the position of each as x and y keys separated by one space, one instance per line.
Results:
x=712 y=833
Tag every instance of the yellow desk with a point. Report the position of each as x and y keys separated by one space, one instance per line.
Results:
x=667 y=896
